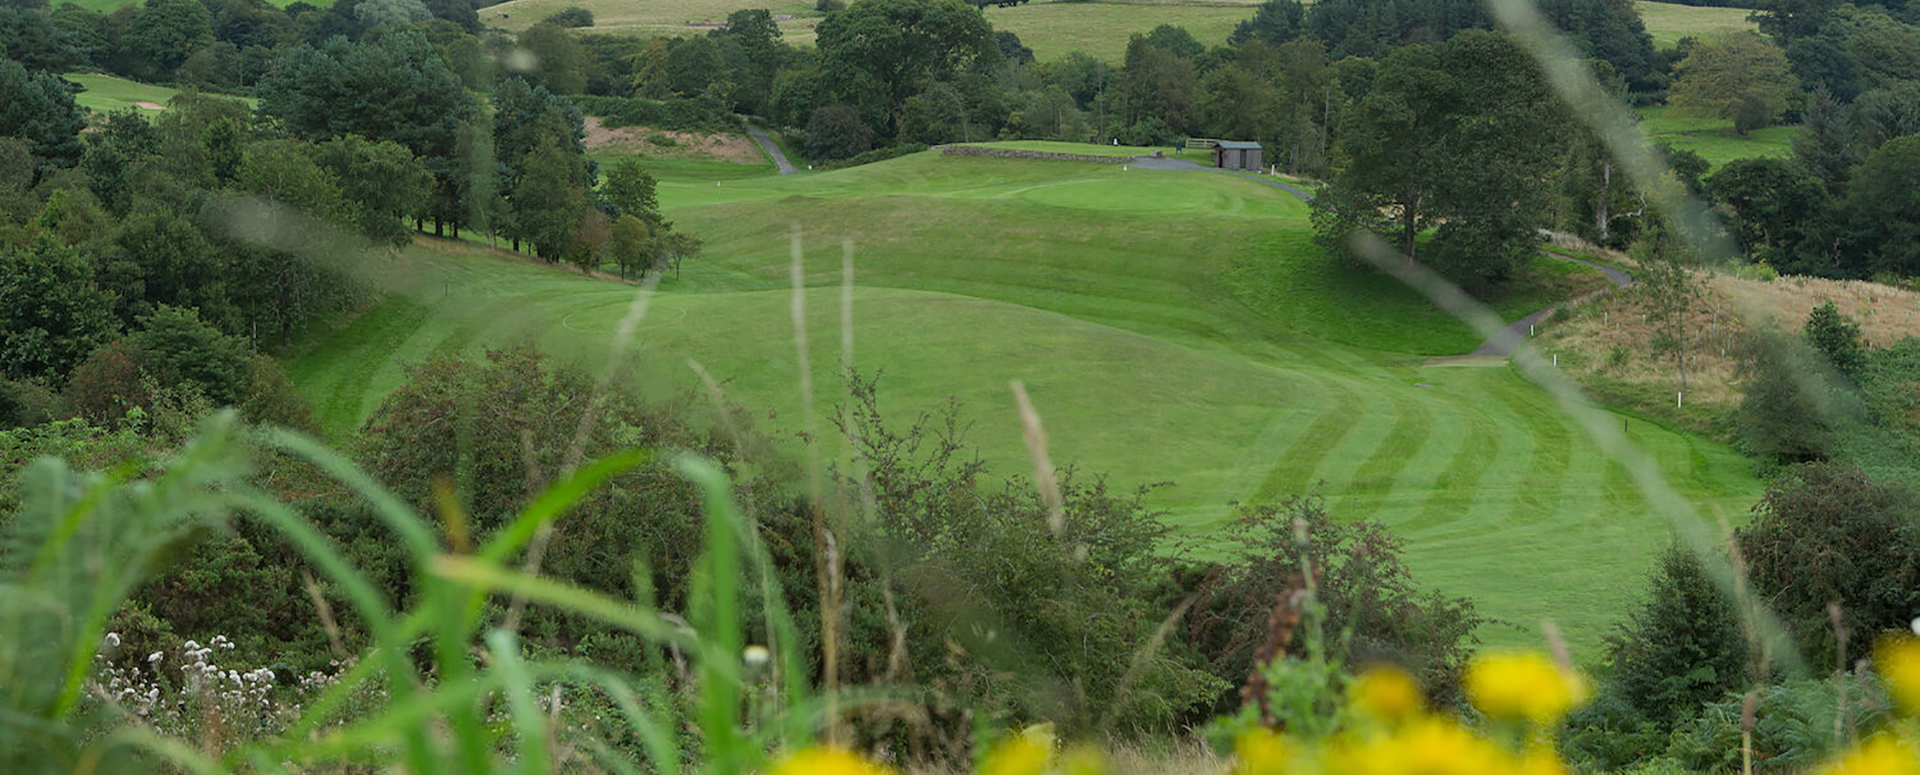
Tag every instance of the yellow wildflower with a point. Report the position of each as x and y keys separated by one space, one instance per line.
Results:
x=1898 y=660
x=1387 y=694
x=1523 y=686
x=1017 y=755
x=1083 y=760
x=1426 y=745
x=827 y=761
x=1261 y=752
x=1880 y=756
x=1541 y=761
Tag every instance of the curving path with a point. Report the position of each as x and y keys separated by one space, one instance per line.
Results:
x=773 y=149
x=1500 y=345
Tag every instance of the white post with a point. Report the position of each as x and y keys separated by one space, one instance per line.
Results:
x=1529 y=329
x=1556 y=360
x=1678 y=399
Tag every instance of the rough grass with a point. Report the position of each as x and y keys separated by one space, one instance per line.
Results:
x=1714 y=138
x=1172 y=325
x=1668 y=22
x=1608 y=347
x=653 y=143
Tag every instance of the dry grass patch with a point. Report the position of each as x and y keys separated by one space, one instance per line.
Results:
x=1606 y=344
x=669 y=144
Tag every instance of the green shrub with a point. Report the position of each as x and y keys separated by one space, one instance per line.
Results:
x=1375 y=612
x=1826 y=534
x=1679 y=648
x=1793 y=728
x=1617 y=357
x=1838 y=338
x=1790 y=412
x=571 y=16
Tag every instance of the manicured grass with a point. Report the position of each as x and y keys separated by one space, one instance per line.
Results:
x=1170 y=325
x=1078 y=149
x=1668 y=22
x=1713 y=138
x=106 y=93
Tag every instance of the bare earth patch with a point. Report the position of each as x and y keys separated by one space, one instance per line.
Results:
x=669 y=144
x=144 y=105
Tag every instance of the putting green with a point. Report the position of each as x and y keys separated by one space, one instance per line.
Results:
x=1171 y=326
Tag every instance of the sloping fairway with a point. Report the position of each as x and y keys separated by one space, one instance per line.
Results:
x=1171 y=326
x=106 y=93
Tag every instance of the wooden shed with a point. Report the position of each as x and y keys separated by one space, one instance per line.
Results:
x=1237 y=155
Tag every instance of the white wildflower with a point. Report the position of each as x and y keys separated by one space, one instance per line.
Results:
x=154 y=658
x=113 y=640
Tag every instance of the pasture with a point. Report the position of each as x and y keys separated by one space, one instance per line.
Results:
x=1051 y=29
x=1669 y=22
x=1714 y=138
x=1170 y=325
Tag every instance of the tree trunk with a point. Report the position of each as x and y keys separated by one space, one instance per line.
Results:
x=1408 y=207
x=1601 y=222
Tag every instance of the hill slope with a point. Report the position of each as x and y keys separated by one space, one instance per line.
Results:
x=1171 y=325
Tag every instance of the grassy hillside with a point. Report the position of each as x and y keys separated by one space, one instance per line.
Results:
x=656 y=17
x=1051 y=29
x=1669 y=22
x=106 y=93
x=108 y=6
x=1713 y=138
x=1170 y=325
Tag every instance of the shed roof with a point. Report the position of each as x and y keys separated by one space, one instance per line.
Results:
x=1238 y=144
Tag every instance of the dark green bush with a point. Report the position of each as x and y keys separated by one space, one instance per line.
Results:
x=1376 y=613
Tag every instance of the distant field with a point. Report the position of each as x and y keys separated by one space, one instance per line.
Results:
x=653 y=18
x=1051 y=29
x=1668 y=23
x=1054 y=29
x=108 y=6
x=1171 y=326
x=106 y=93
x=1713 y=138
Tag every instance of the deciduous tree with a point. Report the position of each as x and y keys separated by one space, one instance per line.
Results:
x=51 y=312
